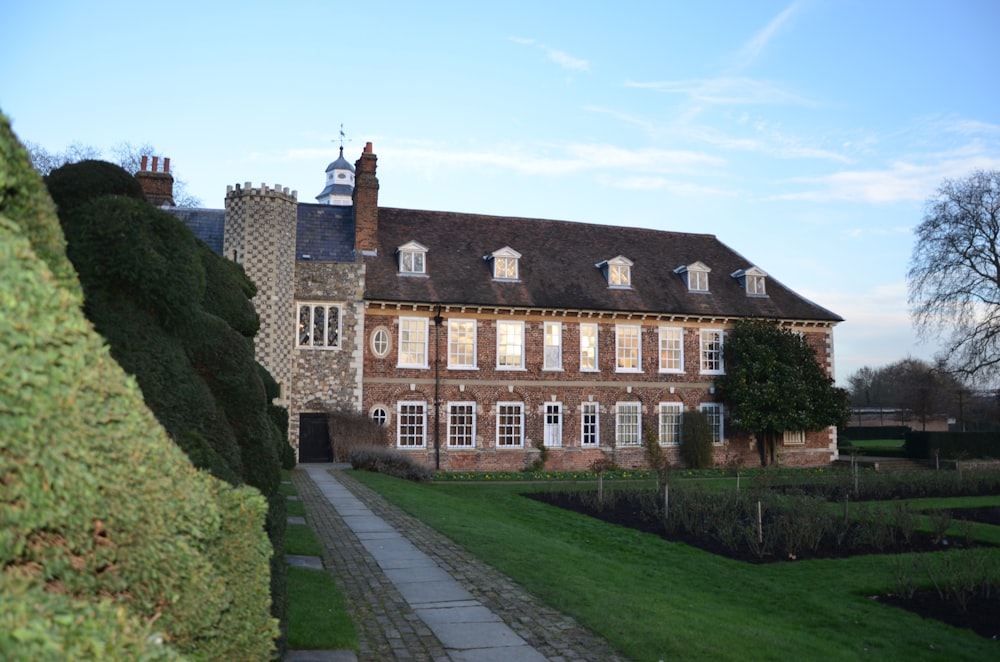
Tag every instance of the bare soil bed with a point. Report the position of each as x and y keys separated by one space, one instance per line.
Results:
x=981 y=615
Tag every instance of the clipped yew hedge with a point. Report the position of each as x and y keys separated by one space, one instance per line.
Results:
x=113 y=546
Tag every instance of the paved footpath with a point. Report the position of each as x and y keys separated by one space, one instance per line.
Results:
x=416 y=595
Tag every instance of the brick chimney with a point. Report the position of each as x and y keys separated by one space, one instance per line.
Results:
x=366 y=204
x=157 y=184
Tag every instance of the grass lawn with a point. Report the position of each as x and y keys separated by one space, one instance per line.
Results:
x=657 y=600
x=317 y=614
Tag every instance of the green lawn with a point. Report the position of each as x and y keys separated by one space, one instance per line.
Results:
x=657 y=600
x=317 y=614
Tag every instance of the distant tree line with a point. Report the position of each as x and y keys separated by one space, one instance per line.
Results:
x=914 y=392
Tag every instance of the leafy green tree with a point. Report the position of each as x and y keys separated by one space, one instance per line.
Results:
x=774 y=383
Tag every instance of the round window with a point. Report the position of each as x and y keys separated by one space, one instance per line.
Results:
x=380 y=416
x=381 y=342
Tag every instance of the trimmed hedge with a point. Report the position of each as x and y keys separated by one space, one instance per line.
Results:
x=871 y=432
x=953 y=445
x=105 y=520
x=389 y=462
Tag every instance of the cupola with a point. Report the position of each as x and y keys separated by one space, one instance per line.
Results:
x=339 y=183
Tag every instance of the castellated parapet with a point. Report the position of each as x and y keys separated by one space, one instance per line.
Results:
x=260 y=235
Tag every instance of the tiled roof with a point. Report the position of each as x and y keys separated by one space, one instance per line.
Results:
x=207 y=224
x=557 y=268
x=325 y=233
x=336 y=189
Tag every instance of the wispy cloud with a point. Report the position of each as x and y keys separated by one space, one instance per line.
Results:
x=560 y=160
x=769 y=140
x=899 y=181
x=753 y=48
x=727 y=91
x=561 y=58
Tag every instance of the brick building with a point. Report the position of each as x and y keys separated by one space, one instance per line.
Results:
x=474 y=339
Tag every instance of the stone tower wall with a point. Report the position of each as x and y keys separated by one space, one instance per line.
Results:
x=260 y=235
x=329 y=380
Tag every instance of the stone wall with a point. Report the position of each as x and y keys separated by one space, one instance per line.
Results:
x=328 y=379
x=260 y=235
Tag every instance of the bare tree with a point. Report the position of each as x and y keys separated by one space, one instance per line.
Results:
x=124 y=154
x=954 y=275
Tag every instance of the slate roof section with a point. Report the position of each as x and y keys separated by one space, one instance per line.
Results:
x=325 y=233
x=557 y=268
x=207 y=224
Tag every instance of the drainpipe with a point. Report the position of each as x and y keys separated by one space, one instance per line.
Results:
x=437 y=387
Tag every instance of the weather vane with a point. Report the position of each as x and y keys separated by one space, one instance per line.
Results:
x=342 y=137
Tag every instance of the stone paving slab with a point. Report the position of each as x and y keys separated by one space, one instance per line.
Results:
x=309 y=562
x=390 y=627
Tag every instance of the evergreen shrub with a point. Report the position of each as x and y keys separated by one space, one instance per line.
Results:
x=110 y=532
x=696 y=440
x=389 y=462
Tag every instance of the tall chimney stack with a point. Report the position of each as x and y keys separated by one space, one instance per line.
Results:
x=158 y=187
x=366 y=204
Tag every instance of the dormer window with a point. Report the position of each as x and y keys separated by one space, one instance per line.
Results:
x=695 y=275
x=753 y=281
x=617 y=271
x=505 y=263
x=412 y=258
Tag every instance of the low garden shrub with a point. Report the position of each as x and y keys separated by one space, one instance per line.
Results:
x=350 y=430
x=389 y=462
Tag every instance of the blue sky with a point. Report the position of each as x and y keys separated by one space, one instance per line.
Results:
x=806 y=135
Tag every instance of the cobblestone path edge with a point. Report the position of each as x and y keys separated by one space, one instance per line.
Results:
x=388 y=628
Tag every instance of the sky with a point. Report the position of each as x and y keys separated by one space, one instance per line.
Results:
x=807 y=135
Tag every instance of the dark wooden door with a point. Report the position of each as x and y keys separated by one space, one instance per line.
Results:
x=314 y=438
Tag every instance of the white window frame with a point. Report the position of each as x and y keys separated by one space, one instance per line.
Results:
x=380 y=416
x=456 y=340
x=410 y=347
x=412 y=258
x=754 y=281
x=715 y=414
x=628 y=423
x=461 y=433
x=592 y=348
x=671 y=423
x=618 y=272
x=506 y=264
x=308 y=340
x=794 y=438
x=411 y=424
x=504 y=349
x=695 y=276
x=590 y=415
x=381 y=342
x=552 y=346
x=671 y=347
x=622 y=350
x=756 y=285
x=505 y=410
x=552 y=424
x=711 y=343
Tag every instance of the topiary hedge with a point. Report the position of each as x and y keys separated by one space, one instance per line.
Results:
x=105 y=521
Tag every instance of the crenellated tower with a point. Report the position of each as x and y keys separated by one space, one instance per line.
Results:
x=259 y=234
